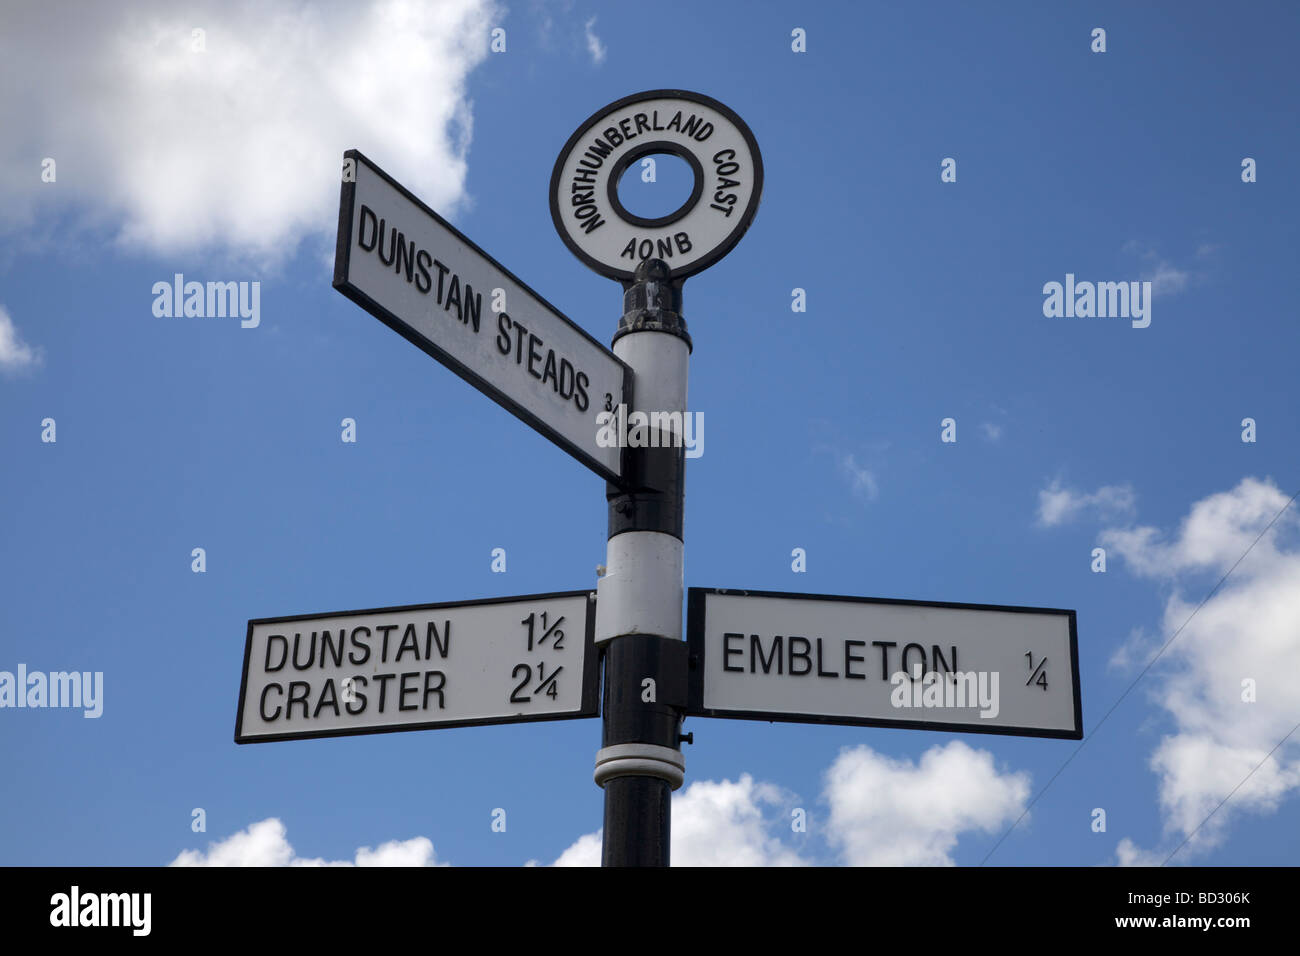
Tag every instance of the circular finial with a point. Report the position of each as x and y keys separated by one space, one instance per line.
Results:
x=713 y=140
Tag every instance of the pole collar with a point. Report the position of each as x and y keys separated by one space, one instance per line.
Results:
x=640 y=760
x=652 y=302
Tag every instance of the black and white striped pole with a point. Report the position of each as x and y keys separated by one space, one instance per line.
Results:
x=639 y=596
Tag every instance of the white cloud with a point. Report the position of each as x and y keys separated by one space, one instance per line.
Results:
x=236 y=148
x=15 y=354
x=1248 y=631
x=1129 y=853
x=1164 y=276
x=417 y=851
x=882 y=812
x=991 y=431
x=1166 y=279
x=594 y=47
x=1057 y=504
x=727 y=823
x=887 y=812
x=542 y=11
x=584 y=852
x=264 y=844
x=1216 y=532
x=1135 y=652
x=861 y=480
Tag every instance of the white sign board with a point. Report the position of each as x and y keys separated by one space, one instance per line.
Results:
x=721 y=151
x=413 y=668
x=407 y=266
x=864 y=661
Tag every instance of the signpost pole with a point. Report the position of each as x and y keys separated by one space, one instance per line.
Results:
x=639 y=604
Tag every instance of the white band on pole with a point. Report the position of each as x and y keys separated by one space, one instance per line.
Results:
x=643 y=760
x=660 y=362
x=642 y=590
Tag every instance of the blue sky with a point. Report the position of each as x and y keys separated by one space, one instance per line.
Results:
x=924 y=301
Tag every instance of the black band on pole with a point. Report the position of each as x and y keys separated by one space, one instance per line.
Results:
x=638 y=808
x=653 y=497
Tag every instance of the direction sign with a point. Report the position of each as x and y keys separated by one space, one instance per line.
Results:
x=495 y=661
x=407 y=266
x=721 y=151
x=927 y=665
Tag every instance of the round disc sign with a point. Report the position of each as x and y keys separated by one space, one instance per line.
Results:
x=711 y=138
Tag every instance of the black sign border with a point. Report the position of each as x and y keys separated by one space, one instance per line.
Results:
x=342 y=263
x=720 y=250
x=695 y=602
x=589 y=707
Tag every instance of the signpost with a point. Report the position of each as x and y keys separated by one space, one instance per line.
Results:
x=749 y=654
x=977 y=668
x=497 y=661
x=639 y=611
x=407 y=266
